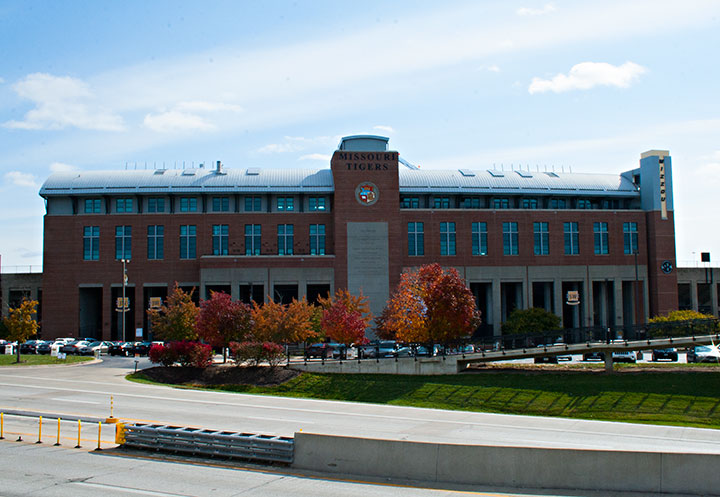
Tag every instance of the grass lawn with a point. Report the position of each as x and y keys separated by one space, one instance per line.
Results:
x=35 y=360
x=675 y=397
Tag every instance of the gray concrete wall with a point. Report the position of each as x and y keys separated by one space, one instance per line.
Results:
x=519 y=467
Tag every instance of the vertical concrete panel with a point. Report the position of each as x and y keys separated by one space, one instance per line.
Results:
x=368 y=263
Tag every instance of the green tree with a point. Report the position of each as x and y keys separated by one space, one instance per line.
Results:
x=533 y=320
x=682 y=323
x=175 y=320
x=21 y=323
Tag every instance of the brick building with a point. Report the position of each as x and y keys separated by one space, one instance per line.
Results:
x=520 y=238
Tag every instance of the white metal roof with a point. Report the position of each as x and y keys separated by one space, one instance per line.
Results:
x=255 y=180
x=526 y=182
x=189 y=181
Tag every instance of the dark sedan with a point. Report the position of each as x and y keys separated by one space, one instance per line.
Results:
x=121 y=348
x=669 y=354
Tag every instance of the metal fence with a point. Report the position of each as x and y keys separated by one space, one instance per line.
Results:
x=209 y=443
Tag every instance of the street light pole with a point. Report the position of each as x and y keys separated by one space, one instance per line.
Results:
x=637 y=289
x=124 y=307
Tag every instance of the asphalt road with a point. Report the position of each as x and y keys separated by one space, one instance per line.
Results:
x=86 y=390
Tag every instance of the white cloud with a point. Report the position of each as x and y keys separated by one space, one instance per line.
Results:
x=18 y=178
x=527 y=11
x=2 y=81
x=62 y=102
x=321 y=157
x=204 y=106
x=176 y=121
x=59 y=167
x=295 y=144
x=387 y=129
x=587 y=75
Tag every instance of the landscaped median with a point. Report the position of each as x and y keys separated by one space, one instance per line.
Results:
x=38 y=360
x=680 y=395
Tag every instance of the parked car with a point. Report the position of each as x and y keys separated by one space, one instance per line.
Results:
x=30 y=346
x=73 y=348
x=120 y=348
x=702 y=353
x=625 y=356
x=92 y=347
x=668 y=353
x=594 y=356
x=378 y=348
x=323 y=350
x=143 y=348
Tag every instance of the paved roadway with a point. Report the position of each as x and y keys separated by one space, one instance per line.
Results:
x=86 y=389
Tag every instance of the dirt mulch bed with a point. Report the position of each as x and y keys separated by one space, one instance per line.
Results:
x=221 y=375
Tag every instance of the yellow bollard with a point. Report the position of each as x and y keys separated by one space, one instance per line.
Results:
x=111 y=419
x=78 y=446
x=39 y=440
x=58 y=435
x=2 y=425
x=99 y=433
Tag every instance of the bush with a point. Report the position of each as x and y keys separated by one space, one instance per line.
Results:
x=533 y=320
x=682 y=323
x=186 y=353
x=253 y=353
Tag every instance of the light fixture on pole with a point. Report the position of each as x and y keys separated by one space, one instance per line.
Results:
x=124 y=307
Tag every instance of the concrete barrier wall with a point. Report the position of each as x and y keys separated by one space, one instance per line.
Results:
x=519 y=467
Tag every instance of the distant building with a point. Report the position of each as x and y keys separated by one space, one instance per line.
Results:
x=520 y=237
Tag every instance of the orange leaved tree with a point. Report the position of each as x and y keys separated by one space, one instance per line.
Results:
x=430 y=305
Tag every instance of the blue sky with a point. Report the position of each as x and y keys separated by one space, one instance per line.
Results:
x=586 y=86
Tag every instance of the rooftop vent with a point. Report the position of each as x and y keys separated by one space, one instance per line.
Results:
x=188 y=172
x=552 y=175
x=160 y=171
x=219 y=168
x=252 y=171
x=467 y=172
x=524 y=174
x=496 y=174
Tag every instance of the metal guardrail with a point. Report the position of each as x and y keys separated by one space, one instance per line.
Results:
x=202 y=442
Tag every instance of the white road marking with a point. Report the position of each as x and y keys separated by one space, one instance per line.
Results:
x=127 y=490
x=76 y=401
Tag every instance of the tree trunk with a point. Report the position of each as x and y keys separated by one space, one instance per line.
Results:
x=17 y=350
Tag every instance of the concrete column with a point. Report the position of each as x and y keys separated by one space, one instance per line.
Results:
x=587 y=304
x=618 y=303
x=496 y=306
x=694 y=294
x=558 y=296
x=609 y=362
x=714 y=298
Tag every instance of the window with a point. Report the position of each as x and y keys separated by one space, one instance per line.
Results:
x=601 y=238
x=441 y=203
x=91 y=243
x=471 y=203
x=584 y=204
x=285 y=239
x=156 y=204
x=447 y=238
x=410 y=203
x=188 y=204
x=542 y=238
x=92 y=206
x=188 y=241
x=317 y=239
x=253 y=236
x=316 y=203
x=220 y=239
x=510 y=239
x=558 y=203
x=123 y=205
x=123 y=241
x=501 y=203
x=572 y=239
x=155 y=242
x=416 y=239
x=529 y=203
x=630 y=237
x=253 y=203
x=221 y=204
x=285 y=203
x=479 y=238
